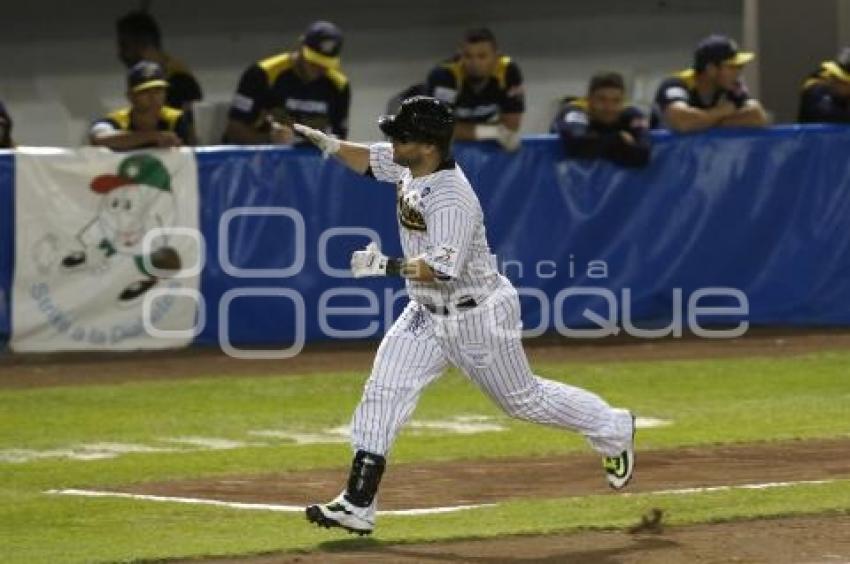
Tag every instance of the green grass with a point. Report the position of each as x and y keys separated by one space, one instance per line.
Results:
x=91 y=530
x=710 y=401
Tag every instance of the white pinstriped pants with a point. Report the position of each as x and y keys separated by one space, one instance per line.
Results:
x=485 y=343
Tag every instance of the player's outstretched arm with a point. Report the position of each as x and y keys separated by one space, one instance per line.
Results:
x=354 y=155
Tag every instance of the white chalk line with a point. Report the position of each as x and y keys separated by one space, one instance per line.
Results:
x=253 y=506
x=765 y=486
x=405 y=512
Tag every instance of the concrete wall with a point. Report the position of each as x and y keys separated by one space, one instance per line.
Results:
x=791 y=39
x=58 y=68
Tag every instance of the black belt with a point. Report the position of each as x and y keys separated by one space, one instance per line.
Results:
x=468 y=303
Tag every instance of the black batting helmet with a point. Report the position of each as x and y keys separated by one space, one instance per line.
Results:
x=420 y=118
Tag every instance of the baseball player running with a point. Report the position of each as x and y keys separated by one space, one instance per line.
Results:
x=461 y=312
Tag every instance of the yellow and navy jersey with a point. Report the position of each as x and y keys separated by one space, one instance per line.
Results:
x=183 y=87
x=819 y=103
x=272 y=87
x=681 y=87
x=5 y=128
x=586 y=138
x=473 y=102
x=170 y=119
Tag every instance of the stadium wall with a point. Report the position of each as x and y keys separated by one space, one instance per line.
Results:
x=740 y=219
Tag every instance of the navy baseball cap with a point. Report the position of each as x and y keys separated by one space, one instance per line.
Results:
x=719 y=49
x=144 y=75
x=322 y=44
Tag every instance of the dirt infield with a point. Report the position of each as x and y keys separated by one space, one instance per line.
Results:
x=411 y=486
x=24 y=371
x=819 y=539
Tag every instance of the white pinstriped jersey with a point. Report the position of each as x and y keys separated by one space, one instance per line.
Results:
x=440 y=221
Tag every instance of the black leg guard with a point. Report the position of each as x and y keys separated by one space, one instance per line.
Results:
x=366 y=472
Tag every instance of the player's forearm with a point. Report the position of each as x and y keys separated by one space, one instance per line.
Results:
x=628 y=154
x=504 y=135
x=240 y=133
x=415 y=269
x=511 y=121
x=687 y=119
x=581 y=144
x=752 y=115
x=124 y=140
x=354 y=155
x=483 y=131
x=372 y=262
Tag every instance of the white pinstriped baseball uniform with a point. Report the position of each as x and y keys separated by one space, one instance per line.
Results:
x=440 y=220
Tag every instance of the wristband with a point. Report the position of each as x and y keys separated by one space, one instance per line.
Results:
x=394 y=266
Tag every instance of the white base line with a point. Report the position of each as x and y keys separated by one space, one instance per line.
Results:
x=423 y=511
x=764 y=486
x=253 y=506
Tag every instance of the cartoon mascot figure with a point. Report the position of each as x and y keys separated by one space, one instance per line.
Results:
x=132 y=202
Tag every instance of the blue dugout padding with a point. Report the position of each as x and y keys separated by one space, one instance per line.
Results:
x=7 y=241
x=763 y=214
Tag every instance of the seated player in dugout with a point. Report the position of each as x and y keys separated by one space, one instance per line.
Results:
x=139 y=39
x=5 y=129
x=711 y=94
x=602 y=126
x=147 y=122
x=484 y=87
x=305 y=86
x=826 y=93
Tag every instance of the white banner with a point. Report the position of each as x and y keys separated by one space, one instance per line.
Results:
x=107 y=250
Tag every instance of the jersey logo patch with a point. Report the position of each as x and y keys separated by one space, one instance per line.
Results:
x=408 y=211
x=445 y=255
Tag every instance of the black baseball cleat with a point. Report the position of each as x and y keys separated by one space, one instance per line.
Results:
x=619 y=469
x=343 y=514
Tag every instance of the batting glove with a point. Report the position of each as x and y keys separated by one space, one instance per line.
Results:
x=369 y=262
x=327 y=143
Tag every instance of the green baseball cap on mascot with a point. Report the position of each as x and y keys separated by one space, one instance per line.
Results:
x=146 y=170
